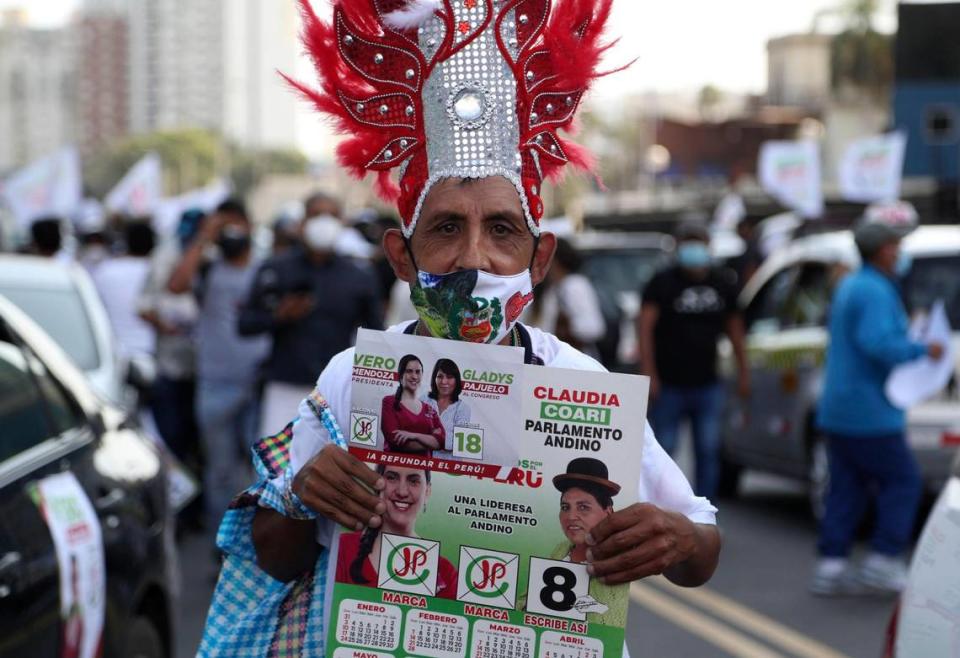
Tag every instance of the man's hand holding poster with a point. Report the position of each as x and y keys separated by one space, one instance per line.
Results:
x=495 y=473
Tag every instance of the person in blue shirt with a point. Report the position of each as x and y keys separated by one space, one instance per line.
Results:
x=865 y=433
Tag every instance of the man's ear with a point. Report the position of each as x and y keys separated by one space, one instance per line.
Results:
x=395 y=248
x=543 y=257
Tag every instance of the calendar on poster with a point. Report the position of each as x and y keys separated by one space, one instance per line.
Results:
x=481 y=553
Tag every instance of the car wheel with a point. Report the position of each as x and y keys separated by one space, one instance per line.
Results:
x=818 y=477
x=729 y=483
x=143 y=640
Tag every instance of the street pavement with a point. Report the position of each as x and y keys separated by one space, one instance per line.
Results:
x=756 y=606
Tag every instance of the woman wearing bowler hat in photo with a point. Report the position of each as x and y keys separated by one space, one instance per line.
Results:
x=586 y=498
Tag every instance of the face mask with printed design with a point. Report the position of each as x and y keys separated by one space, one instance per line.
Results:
x=471 y=305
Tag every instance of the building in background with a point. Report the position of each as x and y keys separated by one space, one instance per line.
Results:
x=101 y=35
x=926 y=98
x=176 y=64
x=260 y=38
x=798 y=71
x=213 y=65
x=37 y=91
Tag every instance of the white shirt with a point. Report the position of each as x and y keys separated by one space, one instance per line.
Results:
x=575 y=297
x=120 y=282
x=456 y=414
x=662 y=483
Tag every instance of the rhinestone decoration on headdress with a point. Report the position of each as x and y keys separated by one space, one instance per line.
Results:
x=455 y=89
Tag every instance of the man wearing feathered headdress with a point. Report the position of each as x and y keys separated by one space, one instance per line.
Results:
x=465 y=100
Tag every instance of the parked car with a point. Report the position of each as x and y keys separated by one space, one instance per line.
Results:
x=62 y=299
x=925 y=623
x=786 y=306
x=619 y=264
x=55 y=429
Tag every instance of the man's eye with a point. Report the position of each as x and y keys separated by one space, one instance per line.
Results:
x=447 y=228
x=501 y=229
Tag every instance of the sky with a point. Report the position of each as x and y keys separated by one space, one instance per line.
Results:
x=679 y=44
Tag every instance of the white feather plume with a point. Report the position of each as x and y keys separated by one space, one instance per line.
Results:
x=412 y=16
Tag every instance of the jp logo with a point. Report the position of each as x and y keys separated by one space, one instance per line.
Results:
x=484 y=573
x=363 y=428
x=406 y=563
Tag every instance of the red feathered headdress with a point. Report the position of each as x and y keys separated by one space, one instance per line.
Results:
x=455 y=88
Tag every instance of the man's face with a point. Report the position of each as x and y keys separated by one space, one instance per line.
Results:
x=885 y=257
x=471 y=225
x=321 y=206
x=236 y=225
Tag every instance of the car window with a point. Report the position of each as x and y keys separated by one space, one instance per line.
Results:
x=764 y=313
x=614 y=272
x=23 y=414
x=64 y=412
x=809 y=299
x=931 y=279
x=61 y=314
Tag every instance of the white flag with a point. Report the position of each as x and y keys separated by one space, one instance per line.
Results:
x=729 y=212
x=50 y=186
x=871 y=168
x=790 y=172
x=167 y=216
x=140 y=190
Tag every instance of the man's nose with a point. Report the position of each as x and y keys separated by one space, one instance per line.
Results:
x=473 y=252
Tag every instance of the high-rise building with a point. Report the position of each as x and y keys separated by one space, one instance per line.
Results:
x=101 y=37
x=213 y=64
x=260 y=38
x=176 y=64
x=37 y=91
x=798 y=71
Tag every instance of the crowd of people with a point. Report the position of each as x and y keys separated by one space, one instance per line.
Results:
x=235 y=334
x=238 y=337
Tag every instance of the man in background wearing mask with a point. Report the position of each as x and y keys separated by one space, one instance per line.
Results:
x=865 y=433
x=685 y=309
x=350 y=242
x=311 y=300
x=227 y=363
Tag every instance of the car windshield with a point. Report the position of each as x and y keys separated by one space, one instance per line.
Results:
x=62 y=315
x=933 y=278
x=620 y=271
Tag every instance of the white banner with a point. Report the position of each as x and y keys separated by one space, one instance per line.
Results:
x=872 y=168
x=78 y=542
x=50 y=186
x=729 y=212
x=207 y=198
x=140 y=190
x=790 y=172
x=90 y=216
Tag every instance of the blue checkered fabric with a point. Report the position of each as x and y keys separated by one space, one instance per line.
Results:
x=251 y=614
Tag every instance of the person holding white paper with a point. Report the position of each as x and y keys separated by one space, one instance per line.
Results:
x=866 y=433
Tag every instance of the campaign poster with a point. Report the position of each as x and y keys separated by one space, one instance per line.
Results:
x=440 y=399
x=78 y=543
x=490 y=562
